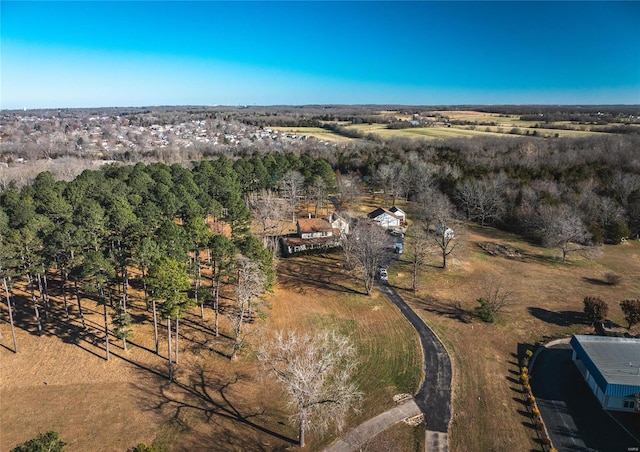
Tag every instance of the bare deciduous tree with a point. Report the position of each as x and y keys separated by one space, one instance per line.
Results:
x=292 y=186
x=364 y=247
x=438 y=214
x=496 y=297
x=418 y=238
x=349 y=189
x=316 y=373
x=250 y=283
x=268 y=210
x=392 y=178
x=561 y=227
x=481 y=200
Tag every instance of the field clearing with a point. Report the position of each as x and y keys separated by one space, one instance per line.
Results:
x=456 y=131
x=487 y=414
x=421 y=132
x=317 y=132
x=61 y=381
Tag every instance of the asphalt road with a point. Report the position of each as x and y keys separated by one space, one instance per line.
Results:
x=434 y=395
x=574 y=418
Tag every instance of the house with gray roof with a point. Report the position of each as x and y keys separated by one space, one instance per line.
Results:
x=611 y=368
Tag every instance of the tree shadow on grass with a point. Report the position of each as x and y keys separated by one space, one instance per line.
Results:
x=595 y=281
x=560 y=318
x=211 y=399
x=451 y=309
x=299 y=274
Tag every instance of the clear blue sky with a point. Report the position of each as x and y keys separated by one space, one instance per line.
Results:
x=90 y=54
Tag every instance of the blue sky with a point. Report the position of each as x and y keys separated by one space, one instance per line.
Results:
x=90 y=54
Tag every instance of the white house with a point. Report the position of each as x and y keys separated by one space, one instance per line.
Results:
x=399 y=213
x=339 y=222
x=384 y=218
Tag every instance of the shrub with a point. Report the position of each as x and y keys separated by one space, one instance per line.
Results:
x=613 y=279
x=524 y=379
x=43 y=442
x=531 y=399
x=595 y=308
x=540 y=424
x=631 y=309
x=536 y=413
x=524 y=370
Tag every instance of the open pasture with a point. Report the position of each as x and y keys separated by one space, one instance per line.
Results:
x=487 y=410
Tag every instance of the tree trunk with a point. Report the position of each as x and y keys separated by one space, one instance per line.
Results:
x=106 y=325
x=13 y=330
x=84 y=324
x=216 y=304
x=301 y=427
x=155 y=326
x=44 y=294
x=125 y=284
x=124 y=338
x=144 y=288
x=169 y=348
x=177 y=334
x=35 y=303
x=63 y=289
x=444 y=257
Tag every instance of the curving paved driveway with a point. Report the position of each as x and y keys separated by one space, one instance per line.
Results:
x=434 y=395
x=433 y=398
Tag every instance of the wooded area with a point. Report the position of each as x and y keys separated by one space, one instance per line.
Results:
x=184 y=224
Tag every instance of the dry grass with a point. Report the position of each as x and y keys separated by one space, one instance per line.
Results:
x=61 y=381
x=486 y=408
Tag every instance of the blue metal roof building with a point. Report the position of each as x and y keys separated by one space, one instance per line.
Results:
x=611 y=368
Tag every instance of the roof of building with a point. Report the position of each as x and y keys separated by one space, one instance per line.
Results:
x=397 y=211
x=380 y=211
x=307 y=225
x=613 y=361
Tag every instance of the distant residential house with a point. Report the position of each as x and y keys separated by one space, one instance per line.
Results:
x=399 y=213
x=385 y=218
x=312 y=234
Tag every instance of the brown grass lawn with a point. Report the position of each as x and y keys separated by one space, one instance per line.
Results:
x=61 y=381
x=487 y=412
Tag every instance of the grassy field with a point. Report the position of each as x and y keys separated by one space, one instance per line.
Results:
x=504 y=125
x=61 y=381
x=487 y=412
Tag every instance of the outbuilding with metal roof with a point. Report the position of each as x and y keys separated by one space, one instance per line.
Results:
x=611 y=368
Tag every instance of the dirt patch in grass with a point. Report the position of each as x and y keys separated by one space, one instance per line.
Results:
x=487 y=400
